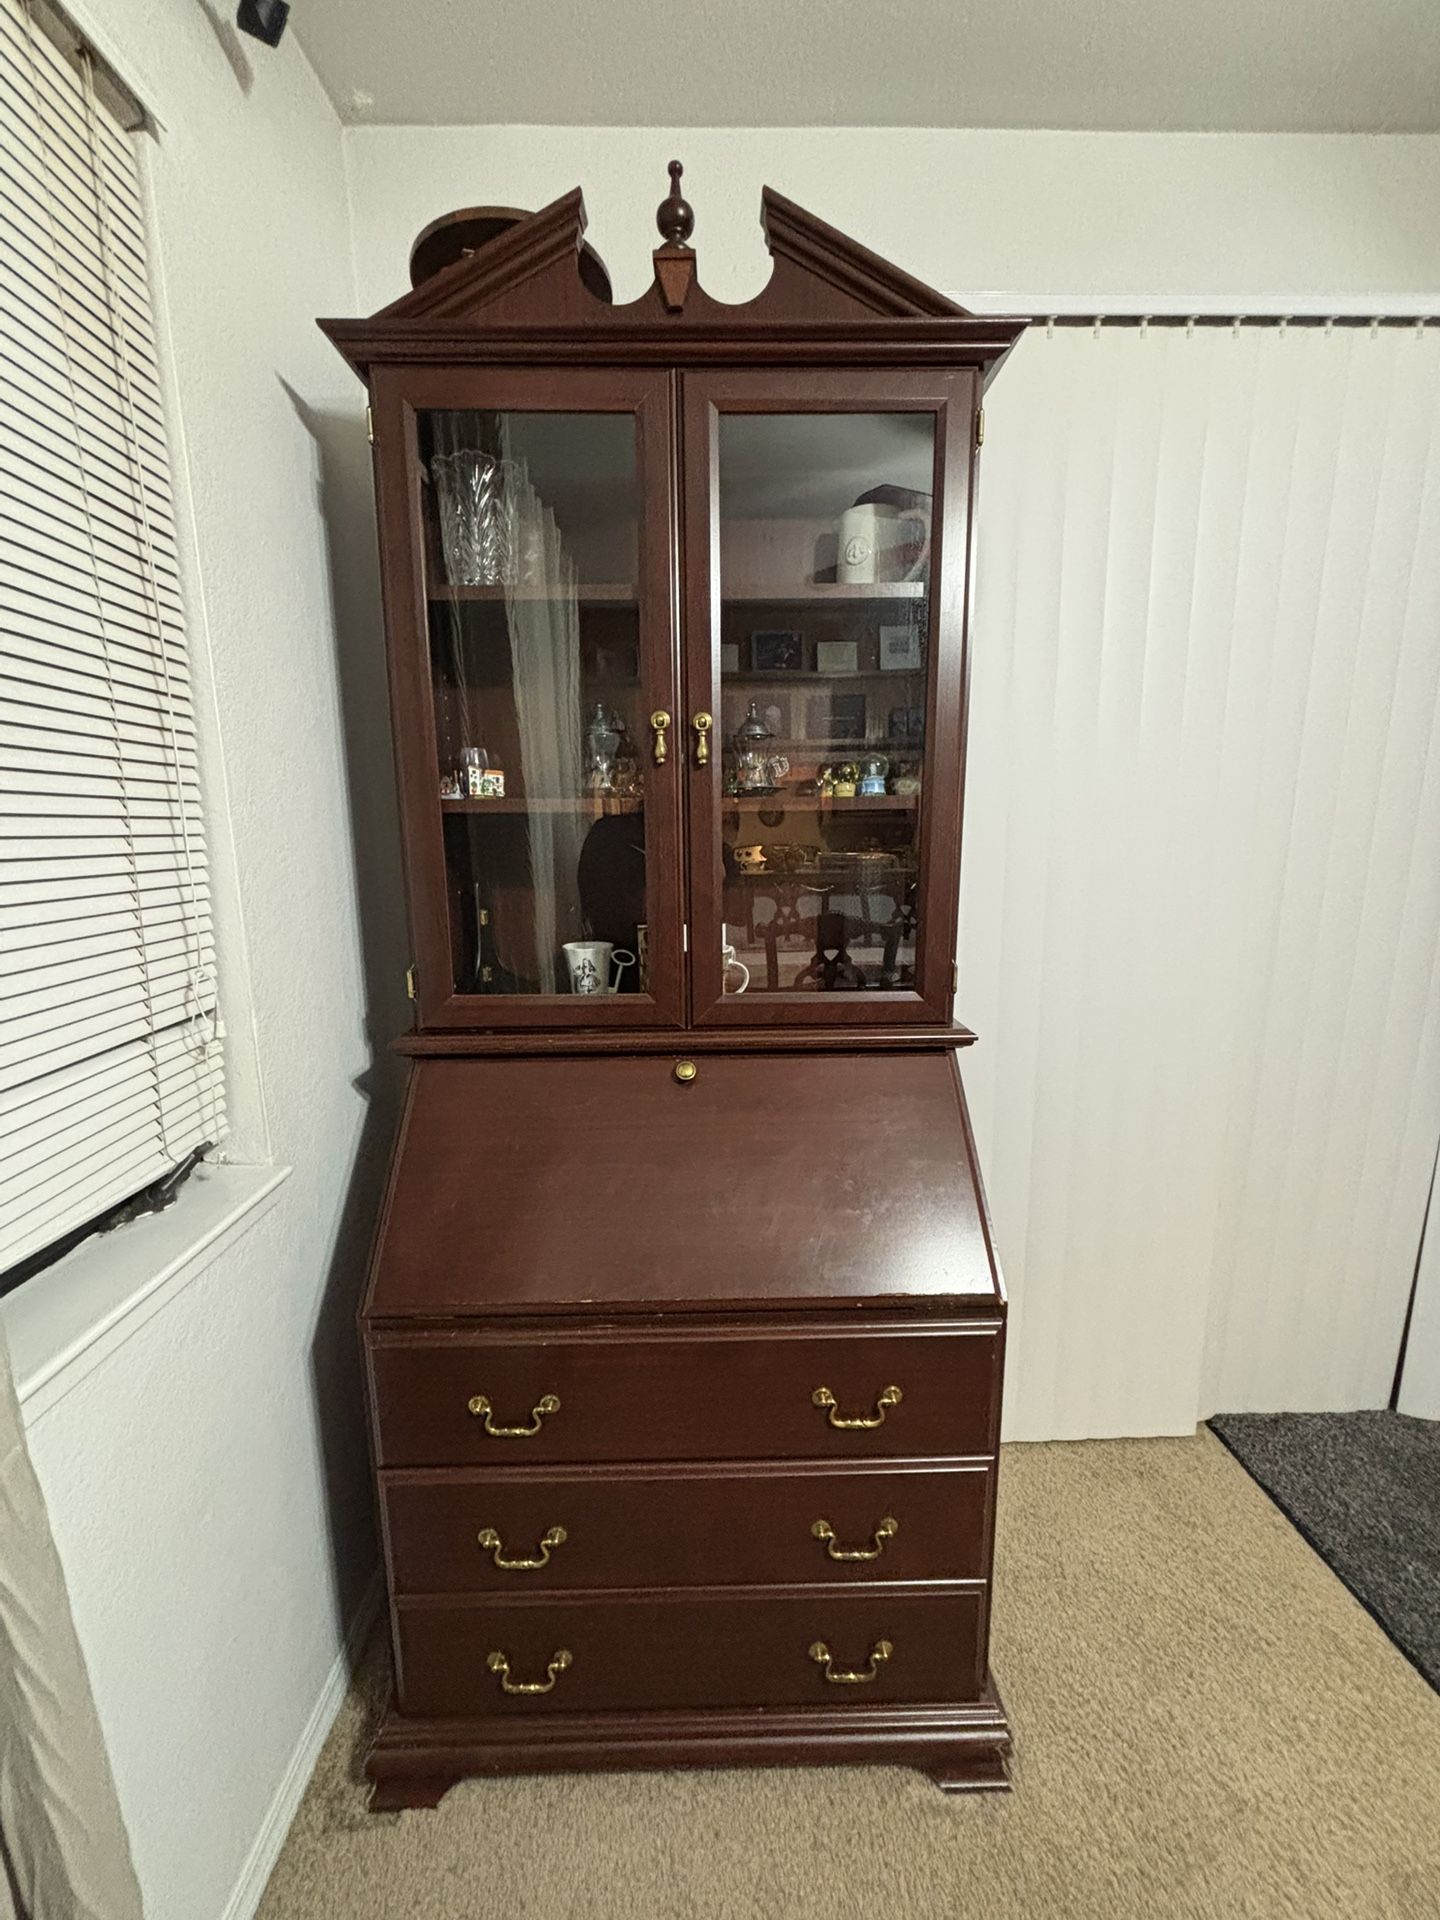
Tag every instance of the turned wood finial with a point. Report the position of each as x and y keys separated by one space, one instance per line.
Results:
x=674 y=216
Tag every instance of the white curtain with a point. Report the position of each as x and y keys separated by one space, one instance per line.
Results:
x=1200 y=932
x=544 y=617
x=64 y=1854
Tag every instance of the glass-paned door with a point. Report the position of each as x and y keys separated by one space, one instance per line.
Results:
x=826 y=556
x=539 y=766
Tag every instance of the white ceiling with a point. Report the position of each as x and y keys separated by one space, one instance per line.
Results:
x=1222 y=65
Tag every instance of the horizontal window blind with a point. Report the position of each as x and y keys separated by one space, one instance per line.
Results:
x=110 y=1067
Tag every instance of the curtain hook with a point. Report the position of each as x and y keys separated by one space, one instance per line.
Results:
x=1144 y=325
x=1419 y=326
x=1099 y=322
x=1374 y=326
x=1050 y=327
x=1284 y=325
x=1329 y=325
x=1236 y=322
x=1190 y=326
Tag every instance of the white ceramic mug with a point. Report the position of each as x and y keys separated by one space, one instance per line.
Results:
x=590 y=963
x=866 y=540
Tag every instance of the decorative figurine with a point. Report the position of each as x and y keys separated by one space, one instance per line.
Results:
x=847 y=777
x=872 y=775
x=625 y=779
x=473 y=763
x=825 y=782
x=756 y=769
x=906 y=777
x=450 y=787
x=602 y=743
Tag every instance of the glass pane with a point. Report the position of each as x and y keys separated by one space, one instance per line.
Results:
x=825 y=597
x=532 y=536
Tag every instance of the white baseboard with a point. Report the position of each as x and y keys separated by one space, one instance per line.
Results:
x=260 y=1863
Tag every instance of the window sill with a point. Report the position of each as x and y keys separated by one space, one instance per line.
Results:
x=62 y=1324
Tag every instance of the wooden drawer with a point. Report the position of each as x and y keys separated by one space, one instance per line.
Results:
x=683 y=1651
x=682 y=1529
x=714 y=1395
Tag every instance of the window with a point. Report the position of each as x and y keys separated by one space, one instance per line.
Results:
x=110 y=1070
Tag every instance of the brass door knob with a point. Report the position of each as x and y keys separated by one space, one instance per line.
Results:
x=685 y=1071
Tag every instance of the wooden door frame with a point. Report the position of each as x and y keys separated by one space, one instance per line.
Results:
x=952 y=395
x=398 y=393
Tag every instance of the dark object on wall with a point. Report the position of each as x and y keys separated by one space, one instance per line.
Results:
x=457 y=236
x=263 y=19
x=684 y=1327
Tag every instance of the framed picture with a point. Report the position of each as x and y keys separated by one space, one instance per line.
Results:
x=907 y=726
x=729 y=656
x=617 y=660
x=900 y=649
x=836 y=719
x=837 y=656
x=776 y=650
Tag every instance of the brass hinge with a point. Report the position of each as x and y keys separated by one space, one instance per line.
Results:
x=370 y=425
x=954 y=976
x=980 y=426
x=409 y=983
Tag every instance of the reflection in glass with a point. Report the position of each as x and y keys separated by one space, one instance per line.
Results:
x=825 y=532
x=531 y=553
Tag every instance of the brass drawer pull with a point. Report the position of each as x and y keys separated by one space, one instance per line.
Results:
x=887 y=1530
x=490 y=1540
x=702 y=724
x=659 y=721
x=837 y=1676
x=825 y=1399
x=547 y=1403
x=559 y=1660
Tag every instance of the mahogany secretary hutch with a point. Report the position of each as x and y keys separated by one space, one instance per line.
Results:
x=684 y=1325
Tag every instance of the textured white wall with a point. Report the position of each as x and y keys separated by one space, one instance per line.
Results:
x=207 y=1483
x=1034 y=217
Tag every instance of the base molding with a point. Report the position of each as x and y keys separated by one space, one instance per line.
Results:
x=963 y=1746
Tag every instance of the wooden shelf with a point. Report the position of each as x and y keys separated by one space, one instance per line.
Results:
x=819 y=802
x=590 y=805
x=813 y=682
x=796 y=591
x=595 y=593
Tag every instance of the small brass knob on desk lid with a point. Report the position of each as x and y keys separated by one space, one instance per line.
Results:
x=685 y=1071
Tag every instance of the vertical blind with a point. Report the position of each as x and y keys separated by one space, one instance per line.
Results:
x=110 y=1070
x=1201 y=906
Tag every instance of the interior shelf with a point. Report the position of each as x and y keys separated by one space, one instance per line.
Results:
x=820 y=802
x=592 y=593
x=589 y=805
x=795 y=591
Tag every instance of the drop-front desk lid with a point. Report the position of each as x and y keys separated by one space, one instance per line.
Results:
x=768 y=1180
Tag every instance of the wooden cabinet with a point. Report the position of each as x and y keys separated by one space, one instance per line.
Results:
x=684 y=1325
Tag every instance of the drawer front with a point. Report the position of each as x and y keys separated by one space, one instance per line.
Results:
x=467 y=1532
x=748 y=1651
x=699 y=1397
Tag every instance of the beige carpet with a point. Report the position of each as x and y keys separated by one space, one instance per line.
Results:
x=1207 y=1724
